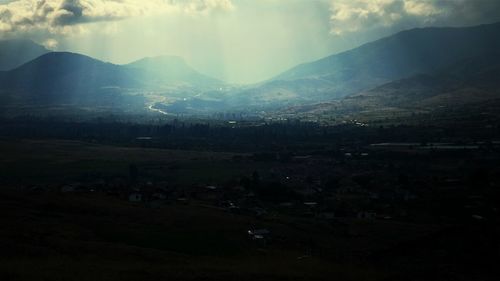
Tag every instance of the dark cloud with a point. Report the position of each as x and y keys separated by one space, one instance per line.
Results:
x=70 y=12
x=54 y=15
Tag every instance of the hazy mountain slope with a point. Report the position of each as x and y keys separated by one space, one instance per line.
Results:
x=403 y=54
x=68 y=78
x=56 y=78
x=418 y=54
x=14 y=53
x=417 y=51
x=413 y=68
x=470 y=82
x=170 y=70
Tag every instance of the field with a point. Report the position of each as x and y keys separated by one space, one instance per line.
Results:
x=59 y=161
x=98 y=238
x=51 y=235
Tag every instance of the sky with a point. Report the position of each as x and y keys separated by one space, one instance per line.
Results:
x=238 y=41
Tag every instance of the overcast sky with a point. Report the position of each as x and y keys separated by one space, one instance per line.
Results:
x=241 y=41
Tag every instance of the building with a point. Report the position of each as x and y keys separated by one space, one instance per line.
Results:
x=135 y=197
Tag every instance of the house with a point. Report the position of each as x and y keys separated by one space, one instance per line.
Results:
x=307 y=192
x=155 y=204
x=159 y=195
x=326 y=215
x=228 y=204
x=366 y=215
x=373 y=196
x=286 y=205
x=75 y=187
x=258 y=212
x=301 y=159
x=68 y=188
x=37 y=188
x=135 y=197
x=207 y=193
x=311 y=204
x=259 y=234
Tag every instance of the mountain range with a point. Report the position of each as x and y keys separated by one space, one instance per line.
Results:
x=418 y=68
x=402 y=55
x=74 y=79
x=469 y=82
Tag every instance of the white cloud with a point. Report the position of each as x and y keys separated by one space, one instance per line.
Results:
x=205 y=6
x=50 y=44
x=355 y=15
x=421 y=8
x=361 y=15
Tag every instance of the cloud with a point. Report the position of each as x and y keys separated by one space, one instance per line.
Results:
x=205 y=6
x=68 y=16
x=349 y=16
x=50 y=44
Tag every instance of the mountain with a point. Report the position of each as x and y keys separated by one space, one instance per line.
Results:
x=420 y=60
x=170 y=70
x=416 y=68
x=408 y=53
x=66 y=78
x=470 y=83
x=69 y=78
x=14 y=53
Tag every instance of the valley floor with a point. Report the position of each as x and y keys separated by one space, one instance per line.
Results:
x=52 y=232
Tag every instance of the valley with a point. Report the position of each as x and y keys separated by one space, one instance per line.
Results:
x=380 y=162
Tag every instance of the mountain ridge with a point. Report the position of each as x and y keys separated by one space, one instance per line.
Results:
x=24 y=50
x=72 y=78
x=419 y=55
x=171 y=69
x=404 y=33
x=404 y=54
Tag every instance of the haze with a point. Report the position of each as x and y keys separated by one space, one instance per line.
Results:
x=249 y=140
x=239 y=41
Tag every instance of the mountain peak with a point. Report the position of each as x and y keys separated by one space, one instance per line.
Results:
x=159 y=61
x=63 y=61
x=25 y=50
x=170 y=68
x=404 y=54
x=66 y=55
